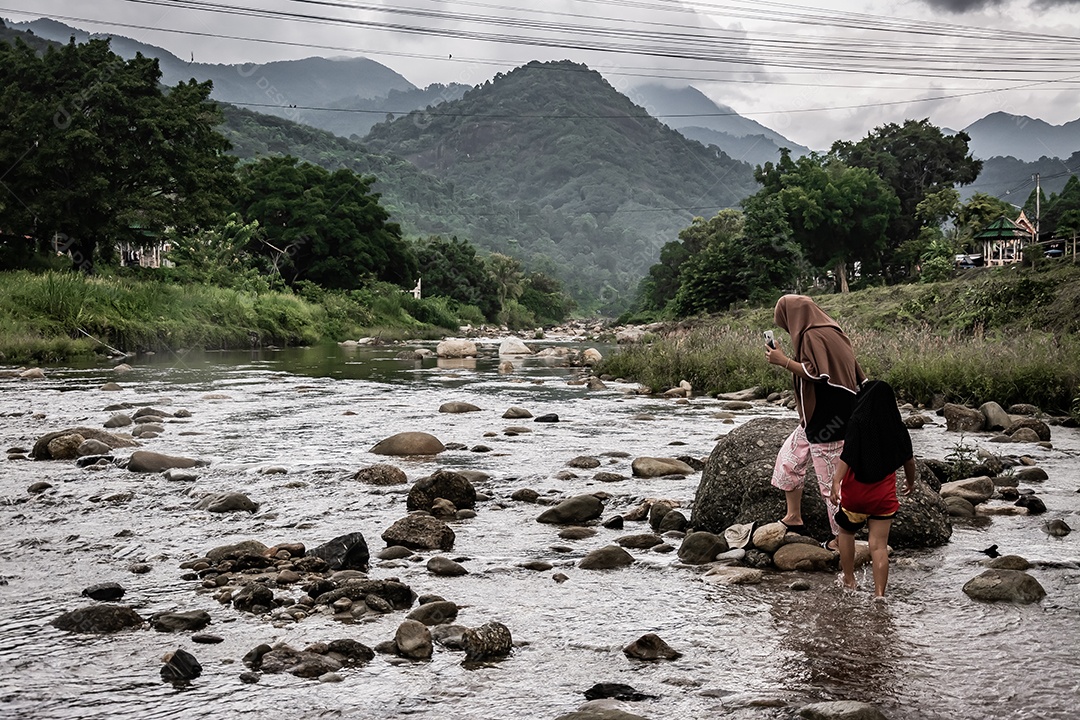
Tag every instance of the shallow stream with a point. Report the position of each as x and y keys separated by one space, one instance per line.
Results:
x=759 y=651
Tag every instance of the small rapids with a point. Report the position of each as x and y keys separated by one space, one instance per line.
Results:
x=758 y=651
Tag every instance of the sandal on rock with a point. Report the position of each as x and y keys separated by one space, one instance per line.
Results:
x=828 y=546
x=792 y=526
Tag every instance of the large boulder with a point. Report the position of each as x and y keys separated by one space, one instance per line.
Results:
x=923 y=518
x=413 y=640
x=41 y=447
x=699 y=548
x=573 y=511
x=1041 y=429
x=445 y=484
x=420 y=532
x=802 y=556
x=608 y=557
x=514 y=346
x=736 y=486
x=66 y=447
x=962 y=419
x=456 y=348
x=409 y=443
x=1013 y=586
x=996 y=417
x=650 y=467
x=144 y=461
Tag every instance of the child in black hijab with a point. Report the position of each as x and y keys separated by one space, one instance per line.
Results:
x=864 y=487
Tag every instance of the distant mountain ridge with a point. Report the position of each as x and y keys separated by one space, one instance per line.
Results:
x=1022 y=137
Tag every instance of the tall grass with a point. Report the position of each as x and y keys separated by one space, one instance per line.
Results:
x=47 y=317
x=1031 y=367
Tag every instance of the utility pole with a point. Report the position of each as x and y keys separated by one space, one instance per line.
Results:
x=1038 y=208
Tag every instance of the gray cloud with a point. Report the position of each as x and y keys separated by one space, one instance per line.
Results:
x=958 y=7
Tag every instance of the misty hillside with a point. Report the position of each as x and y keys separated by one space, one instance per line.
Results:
x=1022 y=137
x=753 y=149
x=1011 y=179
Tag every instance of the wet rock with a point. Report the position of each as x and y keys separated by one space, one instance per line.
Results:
x=445 y=567
x=253 y=598
x=575 y=510
x=395 y=552
x=525 y=495
x=178 y=475
x=1024 y=435
x=699 y=548
x=916 y=422
x=350 y=652
x=345 y=552
x=657 y=511
x=456 y=408
x=548 y=418
x=420 y=532
x=731 y=575
x=139 y=568
x=1023 y=409
x=456 y=348
x=517 y=413
x=1057 y=528
x=180 y=621
x=506 y=367
x=995 y=416
x=489 y=641
x=32 y=374
x=98 y=619
x=800 y=556
x=642 y=541
x=379 y=595
x=1012 y=586
x=1007 y=562
x=409 y=443
x=577 y=533
x=435 y=613
x=673 y=520
x=413 y=640
x=104 y=592
x=583 y=462
x=975 y=490
x=445 y=484
x=39 y=487
x=227 y=502
x=536 y=565
x=614 y=523
x=841 y=710
x=147 y=431
x=381 y=474
x=235 y=550
x=617 y=691
x=144 y=461
x=207 y=639
x=92 y=447
x=111 y=387
x=959 y=507
x=1031 y=474
x=180 y=667
x=651 y=467
x=1033 y=504
x=606 y=558
x=1041 y=429
x=963 y=419
x=651 y=647
x=604 y=476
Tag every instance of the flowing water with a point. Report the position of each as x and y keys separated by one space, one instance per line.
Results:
x=759 y=651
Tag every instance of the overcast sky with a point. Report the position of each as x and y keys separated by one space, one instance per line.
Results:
x=815 y=72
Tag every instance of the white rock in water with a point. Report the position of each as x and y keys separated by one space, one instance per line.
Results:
x=514 y=346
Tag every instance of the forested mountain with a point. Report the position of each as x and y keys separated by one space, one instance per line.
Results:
x=568 y=144
x=1012 y=180
x=354 y=117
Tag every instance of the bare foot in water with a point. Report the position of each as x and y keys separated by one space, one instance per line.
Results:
x=848 y=583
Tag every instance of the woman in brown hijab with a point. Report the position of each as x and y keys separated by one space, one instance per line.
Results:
x=826 y=377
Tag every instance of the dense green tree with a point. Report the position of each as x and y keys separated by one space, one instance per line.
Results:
x=977 y=213
x=507 y=275
x=915 y=159
x=218 y=255
x=543 y=296
x=324 y=227
x=95 y=152
x=664 y=278
x=838 y=214
x=450 y=268
x=1054 y=209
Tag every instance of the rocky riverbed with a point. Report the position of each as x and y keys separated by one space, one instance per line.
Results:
x=276 y=563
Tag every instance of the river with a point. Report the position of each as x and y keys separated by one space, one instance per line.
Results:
x=758 y=651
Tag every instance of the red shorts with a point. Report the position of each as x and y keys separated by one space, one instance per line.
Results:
x=859 y=500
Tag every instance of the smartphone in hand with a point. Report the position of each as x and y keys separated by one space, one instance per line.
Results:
x=769 y=338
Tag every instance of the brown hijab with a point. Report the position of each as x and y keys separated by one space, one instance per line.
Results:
x=820 y=346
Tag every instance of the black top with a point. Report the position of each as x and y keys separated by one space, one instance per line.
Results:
x=877 y=441
x=831 y=413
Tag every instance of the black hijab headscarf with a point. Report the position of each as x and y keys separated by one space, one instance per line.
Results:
x=877 y=441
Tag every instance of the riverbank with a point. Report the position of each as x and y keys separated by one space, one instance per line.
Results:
x=1007 y=335
x=62 y=317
